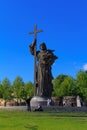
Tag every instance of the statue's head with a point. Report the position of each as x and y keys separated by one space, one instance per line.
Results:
x=43 y=46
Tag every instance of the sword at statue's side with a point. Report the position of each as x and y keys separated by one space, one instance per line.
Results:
x=35 y=32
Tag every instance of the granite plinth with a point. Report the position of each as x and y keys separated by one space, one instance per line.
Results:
x=35 y=101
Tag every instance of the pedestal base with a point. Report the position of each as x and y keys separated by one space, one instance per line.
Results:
x=35 y=101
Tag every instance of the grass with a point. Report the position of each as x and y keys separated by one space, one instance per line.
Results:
x=23 y=120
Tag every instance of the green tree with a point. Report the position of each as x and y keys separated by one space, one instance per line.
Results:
x=29 y=89
x=68 y=87
x=1 y=92
x=18 y=87
x=57 y=84
x=6 y=86
x=82 y=83
x=64 y=86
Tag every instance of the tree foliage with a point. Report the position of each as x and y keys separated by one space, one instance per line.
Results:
x=82 y=83
x=29 y=89
x=1 y=92
x=6 y=86
x=63 y=86
x=18 y=87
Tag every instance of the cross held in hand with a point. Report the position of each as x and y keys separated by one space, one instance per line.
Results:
x=35 y=31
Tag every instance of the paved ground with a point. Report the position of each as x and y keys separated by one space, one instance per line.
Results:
x=14 y=107
x=49 y=108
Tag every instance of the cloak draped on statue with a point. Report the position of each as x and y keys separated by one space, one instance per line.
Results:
x=45 y=59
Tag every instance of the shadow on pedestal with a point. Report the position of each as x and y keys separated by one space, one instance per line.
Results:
x=36 y=100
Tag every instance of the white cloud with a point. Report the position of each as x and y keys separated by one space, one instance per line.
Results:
x=85 y=66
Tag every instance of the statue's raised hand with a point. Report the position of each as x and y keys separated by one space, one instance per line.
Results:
x=34 y=42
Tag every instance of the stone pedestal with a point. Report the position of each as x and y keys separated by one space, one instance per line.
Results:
x=35 y=101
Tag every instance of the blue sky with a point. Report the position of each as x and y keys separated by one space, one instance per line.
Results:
x=64 y=25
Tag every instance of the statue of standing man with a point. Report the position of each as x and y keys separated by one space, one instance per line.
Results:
x=44 y=61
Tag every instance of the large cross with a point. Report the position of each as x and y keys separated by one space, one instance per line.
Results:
x=35 y=33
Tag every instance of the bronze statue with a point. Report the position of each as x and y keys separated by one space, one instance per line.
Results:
x=43 y=76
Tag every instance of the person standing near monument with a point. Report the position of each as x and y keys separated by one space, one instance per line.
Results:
x=45 y=59
x=28 y=104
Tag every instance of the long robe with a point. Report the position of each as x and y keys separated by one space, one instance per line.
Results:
x=44 y=76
